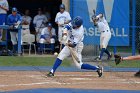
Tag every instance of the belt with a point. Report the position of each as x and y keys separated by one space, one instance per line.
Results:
x=25 y=28
x=104 y=31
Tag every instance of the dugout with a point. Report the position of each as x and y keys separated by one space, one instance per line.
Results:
x=51 y=5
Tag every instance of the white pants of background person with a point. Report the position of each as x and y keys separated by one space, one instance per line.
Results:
x=60 y=28
x=14 y=37
x=104 y=39
x=38 y=31
x=42 y=40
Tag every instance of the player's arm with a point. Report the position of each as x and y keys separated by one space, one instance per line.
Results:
x=45 y=19
x=100 y=16
x=68 y=18
x=56 y=19
x=65 y=34
x=35 y=21
x=6 y=7
x=53 y=33
x=16 y=25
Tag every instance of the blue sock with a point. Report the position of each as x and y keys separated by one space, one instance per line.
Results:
x=56 y=65
x=107 y=52
x=102 y=52
x=38 y=46
x=52 y=47
x=15 y=48
x=41 y=47
x=89 y=67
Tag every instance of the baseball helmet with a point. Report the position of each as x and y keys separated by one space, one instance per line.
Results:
x=62 y=6
x=49 y=25
x=77 y=21
x=14 y=9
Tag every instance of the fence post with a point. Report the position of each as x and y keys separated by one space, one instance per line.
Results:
x=133 y=26
x=71 y=8
x=115 y=50
x=19 y=41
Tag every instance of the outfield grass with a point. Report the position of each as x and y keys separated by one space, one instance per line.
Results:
x=30 y=61
x=135 y=63
x=49 y=61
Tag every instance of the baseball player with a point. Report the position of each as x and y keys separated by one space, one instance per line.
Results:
x=119 y=59
x=4 y=7
x=105 y=36
x=13 y=21
x=75 y=37
x=47 y=36
x=26 y=20
x=39 y=23
x=62 y=18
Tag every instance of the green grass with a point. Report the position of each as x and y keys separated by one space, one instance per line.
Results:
x=49 y=61
x=126 y=64
x=30 y=61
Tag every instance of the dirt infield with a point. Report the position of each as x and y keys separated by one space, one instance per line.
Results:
x=19 y=80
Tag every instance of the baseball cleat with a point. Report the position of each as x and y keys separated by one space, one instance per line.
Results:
x=97 y=59
x=50 y=74
x=137 y=74
x=100 y=71
x=117 y=59
x=109 y=57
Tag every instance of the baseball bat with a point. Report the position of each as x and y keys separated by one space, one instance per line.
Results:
x=60 y=47
x=93 y=11
x=93 y=16
x=73 y=54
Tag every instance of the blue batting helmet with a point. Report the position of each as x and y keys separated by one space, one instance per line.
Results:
x=77 y=21
x=14 y=9
x=49 y=25
x=62 y=6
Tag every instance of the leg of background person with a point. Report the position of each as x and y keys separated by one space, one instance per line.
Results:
x=52 y=47
x=1 y=31
x=14 y=41
x=52 y=44
x=107 y=52
x=102 y=52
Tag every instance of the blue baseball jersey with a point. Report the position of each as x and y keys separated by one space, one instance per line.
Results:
x=11 y=20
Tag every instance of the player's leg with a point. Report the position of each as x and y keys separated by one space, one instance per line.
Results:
x=102 y=47
x=63 y=54
x=81 y=65
x=105 y=44
x=14 y=41
x=2 y=22
x=60 y=38
x=52 y=42
x=41 y=44
x=1 y=31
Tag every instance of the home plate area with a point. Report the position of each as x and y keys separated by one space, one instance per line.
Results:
x=33 y=81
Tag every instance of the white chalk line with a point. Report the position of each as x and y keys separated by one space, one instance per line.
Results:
x=116 y=81
x=42 y=83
